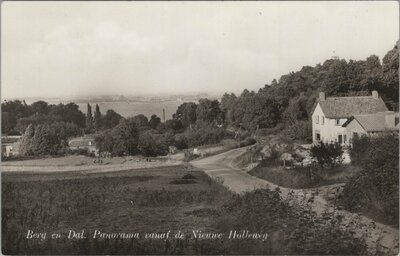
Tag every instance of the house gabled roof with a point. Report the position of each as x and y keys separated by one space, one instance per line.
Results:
x=345 y=107
x=81 y=142
x=377 y=122
x=10 y=139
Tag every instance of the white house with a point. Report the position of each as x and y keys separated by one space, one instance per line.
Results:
x=10 y=145
x=86 y=142
x=331 y=113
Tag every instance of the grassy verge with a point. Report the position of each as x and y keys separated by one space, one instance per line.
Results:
x=301 y=177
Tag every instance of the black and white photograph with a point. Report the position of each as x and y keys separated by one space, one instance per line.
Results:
x=199 y=127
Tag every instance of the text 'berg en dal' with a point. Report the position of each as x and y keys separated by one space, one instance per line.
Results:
x=195 y=234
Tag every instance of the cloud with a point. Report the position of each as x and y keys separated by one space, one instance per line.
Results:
x=72 y=48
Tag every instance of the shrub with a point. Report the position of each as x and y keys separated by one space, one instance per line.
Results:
x=247 y=142
x=180 y=141
x=121 y=140
x=291 y=228
x=330 y=154
x=204 y=135
x=152 y=144
x=80 y=151
x=375 y=190
x=189 y=176
x=358 y=150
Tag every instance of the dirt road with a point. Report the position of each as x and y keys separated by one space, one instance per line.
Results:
x=220 y=167
x=85 y=165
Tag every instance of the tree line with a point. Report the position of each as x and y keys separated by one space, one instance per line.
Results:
x=285 y=103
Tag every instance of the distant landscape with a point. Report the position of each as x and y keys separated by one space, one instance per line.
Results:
x=130 y=109
x=147 y=105
x=139 y=165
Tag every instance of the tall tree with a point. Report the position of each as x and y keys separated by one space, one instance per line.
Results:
x=228 y=102
x=25 y=145
x=390 y=75
x=44 y=141
x=125 y=137
x=154 y=121
x=40 y=107
x=186 y=113
x=89 y=118
x=97 y=118
x=111 y=119
x=141 y=122
x=209 y=111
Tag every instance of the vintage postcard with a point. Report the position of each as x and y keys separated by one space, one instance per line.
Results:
x=199 y=128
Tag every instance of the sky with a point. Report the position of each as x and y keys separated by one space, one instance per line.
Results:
x=68 y=49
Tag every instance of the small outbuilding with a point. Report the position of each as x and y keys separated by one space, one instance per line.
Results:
x=10 y=145
x=372 y=124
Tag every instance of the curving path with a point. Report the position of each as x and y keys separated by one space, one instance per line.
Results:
x=221 y=167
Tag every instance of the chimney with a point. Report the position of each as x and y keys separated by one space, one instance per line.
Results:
x=321 y=96
x=375 y=95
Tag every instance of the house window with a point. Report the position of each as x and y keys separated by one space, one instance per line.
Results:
x=344 y=138
x=337 y=121
x=323 y=120
x=340 y=139
x=317 y=136
x=317 y=119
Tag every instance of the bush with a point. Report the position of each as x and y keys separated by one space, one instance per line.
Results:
x=330 y=154
x=291 y=228
x=80 y=151
x=152 y=144
x=358 y=151
x=180 y=141
x=204 y=135
x=120 y=140
x=268 y=131
x=375 y=190
x=247 y=142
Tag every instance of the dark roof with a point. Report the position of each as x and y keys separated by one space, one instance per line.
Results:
x=81 y=142
x=377 y=122
x=345 y=107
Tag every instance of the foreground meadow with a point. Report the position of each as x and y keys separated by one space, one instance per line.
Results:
x=157 y=201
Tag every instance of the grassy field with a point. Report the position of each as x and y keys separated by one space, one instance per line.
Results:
x=301 y=178
x=156 y=201
x=153 y=200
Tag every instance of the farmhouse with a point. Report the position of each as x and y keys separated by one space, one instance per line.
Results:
x=372 y=124
x=85 y=142
x=331 y=113
x=10 y=145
